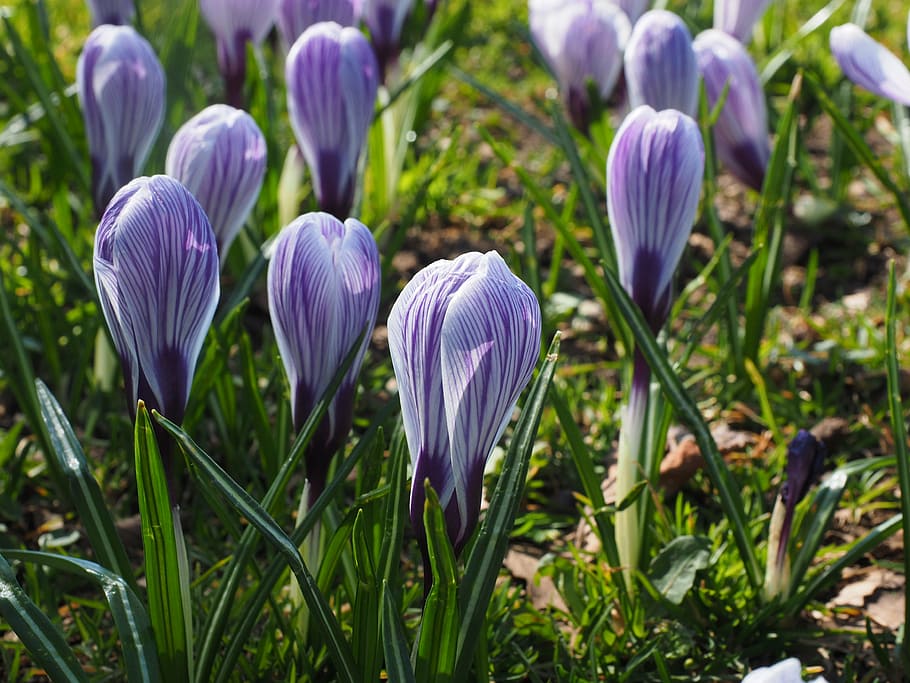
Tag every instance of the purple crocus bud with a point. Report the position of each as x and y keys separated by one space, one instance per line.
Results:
x=234 y=23
x=738 y=17
x=582 y=40
x=156 y=269
x=870 y=64
x=120 y=12
x=660 y=64
x=464 y=337
x=741 y=131
x=385 y=20
x=654 y=175
x=121 y=89
x=332 y=79
x=220 y=155
x=323 y=286
x=296 y=16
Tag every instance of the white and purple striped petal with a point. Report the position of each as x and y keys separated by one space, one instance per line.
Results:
x=741 y=131
x=633 y=9
x=582 y=40
x=323 y=288
x=156 y=269
x=296 y=16
x=870 y=64
x=464 y=336
x=654 y=176
x=220 y=156
x=118 y=12
x=385 y=21
x=660 y=64
x=122 y=91
x=332 y=79
x=738 y=17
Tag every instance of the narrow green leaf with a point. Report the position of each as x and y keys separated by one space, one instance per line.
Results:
x=730 y=498
x=43 y=640
x=209 y=474
x=162 y=564
x=482 y=567
x=84 y=490
x=394 y=642
x=140 y=657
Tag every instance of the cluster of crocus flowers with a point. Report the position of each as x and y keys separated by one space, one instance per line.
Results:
x=385 y=20
x=236 y=23
x=654 y=176
x=220 y=156
x=156 y=269
x=870 y=64
x=805 y=462
x=111 y=11
x=337 y=63
x=122 y=91
x=583 y=42
x=296 y=16
x=660 y=64
x=323 y=289
x=738 y=17
x=464 y=336
x=741 y=131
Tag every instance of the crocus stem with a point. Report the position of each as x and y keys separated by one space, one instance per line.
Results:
x=777 y=568
x=630 y=461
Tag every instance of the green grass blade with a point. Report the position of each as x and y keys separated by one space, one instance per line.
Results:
x=209 y=474
x=162 y=563
x=84 y=490
x=436 y=644
x=140 y=657
x=482 y=567
x=730 y=498
x=394 y=641
x=43 y=640
x=783 y=53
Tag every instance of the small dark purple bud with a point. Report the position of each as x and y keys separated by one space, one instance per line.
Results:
x=121 y=89
x=805 y=463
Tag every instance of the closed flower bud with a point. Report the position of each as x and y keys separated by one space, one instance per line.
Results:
x=741 y=131
x=660 y=64
x=220 y=155
x=323 y=287
x=738 y=17
x=654 y=176
x=111 y=11
x=296 y=16
x=385 y=21
x=464 y=337
x=121 y=89
x=332 y=79
x=156 y=269
x=235 y=23
x=871 y=65
x=583 y=41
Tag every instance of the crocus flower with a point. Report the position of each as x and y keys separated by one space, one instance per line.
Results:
x=805 y=463
x=295 y=16
x=219 y=155
x=582 y=40
x=323 y=287
x=654 y=175
x=332 y=79
x=741 y=131
x=385 y=20
x=787 y=671
x=234 y=23
x=464 y=337
x=121 y=89
x=111 y=11
x=633 y=8
x=156 y=269
x=870 y=64
x=738 y=17
x=660 y=64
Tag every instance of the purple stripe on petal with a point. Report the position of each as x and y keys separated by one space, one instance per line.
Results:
x=295 y=16
x=737 y=18
x=869 y=64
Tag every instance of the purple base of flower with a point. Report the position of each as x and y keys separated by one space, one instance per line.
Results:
x=335 y=194
x=328 y=439
x=104 y=187
x=232 y=63
x=749 y=165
